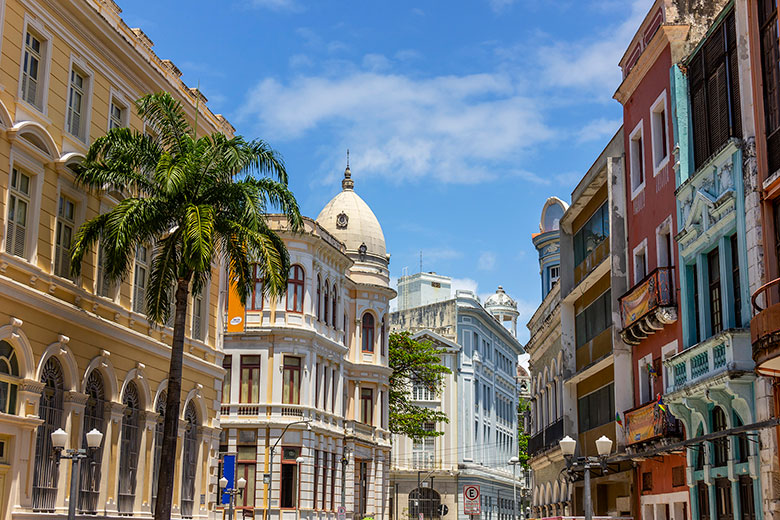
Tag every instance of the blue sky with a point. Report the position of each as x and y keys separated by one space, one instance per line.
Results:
x=461 y=117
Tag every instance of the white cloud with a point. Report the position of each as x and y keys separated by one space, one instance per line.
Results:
x=447 y=127
x=465 y=284
x=598 y=130
x=487 y=261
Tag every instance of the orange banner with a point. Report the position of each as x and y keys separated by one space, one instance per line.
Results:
x=644 y=423
x=638 y=303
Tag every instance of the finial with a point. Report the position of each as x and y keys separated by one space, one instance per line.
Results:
x=347 y=183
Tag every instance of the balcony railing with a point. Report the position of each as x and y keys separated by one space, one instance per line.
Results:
x=546 y=438
x=648 y=306
x=765 y=329
x=649 y=422
x=726 y=351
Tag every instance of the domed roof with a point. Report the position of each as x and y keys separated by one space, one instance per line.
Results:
x=500 y=299
x=348 y=218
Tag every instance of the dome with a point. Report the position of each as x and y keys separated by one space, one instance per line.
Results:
x=349 y=219
x=500 y=299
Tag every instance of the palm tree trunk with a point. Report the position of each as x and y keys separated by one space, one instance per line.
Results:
x=162 y=509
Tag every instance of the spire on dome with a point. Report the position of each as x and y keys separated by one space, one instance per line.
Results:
x=347 y=183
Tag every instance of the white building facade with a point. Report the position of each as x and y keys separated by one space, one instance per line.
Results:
x=305 y=398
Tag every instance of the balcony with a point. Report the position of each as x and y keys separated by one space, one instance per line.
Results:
x=648 y=423
x=727 y=351
x=546 y=438
x=648 y=306
x=765 y=330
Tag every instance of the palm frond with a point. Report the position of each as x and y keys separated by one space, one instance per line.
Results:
x=162 y=278
x=166 y=116
x=198 y=233
x=86 y=237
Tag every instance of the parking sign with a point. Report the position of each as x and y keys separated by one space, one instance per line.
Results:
x=471 y=504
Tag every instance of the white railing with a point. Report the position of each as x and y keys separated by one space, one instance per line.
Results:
x=728 y=350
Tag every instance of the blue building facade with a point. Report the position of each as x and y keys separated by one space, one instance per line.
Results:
x=547 y=243
x=710 y=384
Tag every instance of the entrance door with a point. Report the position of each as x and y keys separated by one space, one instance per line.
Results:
x=703 y=499
x=724 y=510
x=746 y=503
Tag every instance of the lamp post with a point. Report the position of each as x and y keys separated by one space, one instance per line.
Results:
x=267 y=476
x=585 y=464
x=514 y=461
x=344 y=463
x=59 y=438
x=232 y=492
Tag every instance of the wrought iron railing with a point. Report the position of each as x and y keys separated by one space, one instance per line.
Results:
x=546 y=438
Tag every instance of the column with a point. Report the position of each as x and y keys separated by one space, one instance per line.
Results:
x=73 y=415
x=147 y=459
x=111 y=456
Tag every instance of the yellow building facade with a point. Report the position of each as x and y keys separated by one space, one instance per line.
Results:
x=79 y=354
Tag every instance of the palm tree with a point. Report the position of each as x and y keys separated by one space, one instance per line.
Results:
x=196 y=202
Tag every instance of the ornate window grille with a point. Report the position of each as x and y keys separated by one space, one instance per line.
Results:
x=50 y=411
x=128 y=450
x=158 y=440
x=94 y=417
x=189 y=463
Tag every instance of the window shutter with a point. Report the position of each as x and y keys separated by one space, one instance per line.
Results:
x=736 y=112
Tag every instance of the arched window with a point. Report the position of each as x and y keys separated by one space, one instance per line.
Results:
x=425 y=502
x=743 y=448
x=189 y=463
x=698 y=453
x=325 y=303
x=319 y=297
x=554 y=401
x=720 y=446
x=333 y=306
x=383 y=336
x=94 y=418
x=128 y=448
x=9 y=378
x=295 y=289
x=50 y=412
x=368 y=332
x=256 y=301
x=158 y=441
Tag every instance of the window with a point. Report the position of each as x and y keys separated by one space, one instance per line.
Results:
x=116 y=115
x=425 y=502
x=746 y=504
x=737 y=285
x=678 y=476
x=64 y=236
x=368 y=332
x=333 y=392
x=50 y=411
x=658 y=125
x=423 y=449
x=256 y=301
x=637 y=158
x=361 y=487
x=664 y=244
x=32 y=70
x=288 y=492
x=141 y=278
x=333 y=307
x=18 y=204
x=246 y=460
x=189 y=461
x=198 y=311
x=105 y=287
x=319 y=297
x=640 y=262
x=291 y=389
x=129 y=447
x=713 y=268
x=333 y=470
x=647 y=481
x=696 y=309
x=714 y=91
x=422 y=392
x=250 y=379
x=94 y=417
x=383 y=336
x=743 y=446
x=158 y=441
x=596 y=408
x=645 y=379
x=295 y=289
x=703 y=498
x=720 y=446
x=591 y=234
x=723 y=505
x=325 y=302
x=555 y=274
x=594 y=319
x=227 y=364
x=77 y=104
x=315 y=486
x=770 y=70
x=9 y=378
x=367 y=406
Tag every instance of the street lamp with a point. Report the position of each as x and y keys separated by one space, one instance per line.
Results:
x=344 y=462
x=59 y=438
x=585 y=464
x=267 y=476
x=514 y=461
x=232 y=492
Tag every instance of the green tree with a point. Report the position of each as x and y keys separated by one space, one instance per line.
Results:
x=195 y=202
x=523 y=408
x=414 y=362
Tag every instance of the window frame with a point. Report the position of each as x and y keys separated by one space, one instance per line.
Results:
x=662 y=127
x=37 y=29
x=253 y=383
x=295 y=382
x=664 y=229
x=637 y=134
x=367 y=333
x=257 y=281
x=147 y=265
x=640 y=251
x=78 y=66
x=298 y=285
x=119 y=100
x=367 y=405
x=714 y=292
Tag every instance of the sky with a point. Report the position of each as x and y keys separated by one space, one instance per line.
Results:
x=462 y=117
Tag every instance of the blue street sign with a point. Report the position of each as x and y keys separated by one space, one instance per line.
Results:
x=229 y=472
